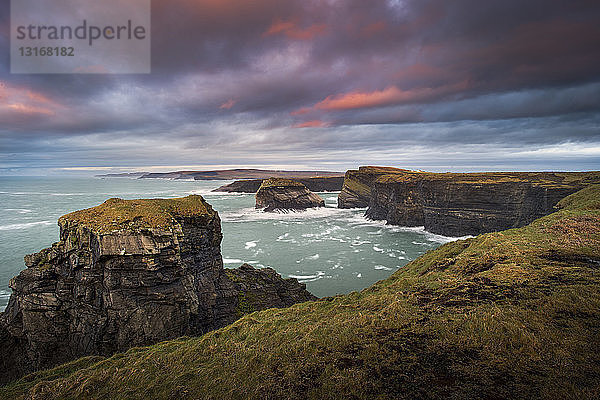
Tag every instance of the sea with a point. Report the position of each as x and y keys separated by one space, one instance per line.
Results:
x=333 y=251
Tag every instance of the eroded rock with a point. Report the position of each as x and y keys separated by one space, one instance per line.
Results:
x=277 y=194
x=129 y=273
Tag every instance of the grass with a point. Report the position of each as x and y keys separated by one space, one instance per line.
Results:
x=544 y=179
x=116 y=214
x=280 y=182
x=505 y=315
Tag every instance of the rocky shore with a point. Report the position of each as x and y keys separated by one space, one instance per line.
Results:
x=129 y=273
x=455 y=204
x=277 y=194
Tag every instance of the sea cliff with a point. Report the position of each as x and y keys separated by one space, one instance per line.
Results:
x=129 y=273
x=505 y=315
x=459 y=204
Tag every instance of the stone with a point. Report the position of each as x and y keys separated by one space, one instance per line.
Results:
x=276 y=194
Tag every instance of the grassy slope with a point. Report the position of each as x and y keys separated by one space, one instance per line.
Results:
x=513 y=314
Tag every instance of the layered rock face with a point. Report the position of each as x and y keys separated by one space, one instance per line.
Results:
x=326 y=184
x=284 y=194
x=459 y=204
x=356 y=189
x=129 y=273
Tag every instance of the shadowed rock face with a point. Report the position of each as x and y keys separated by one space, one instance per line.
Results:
x=284 y=194
x=459 y=204
x=129 y=273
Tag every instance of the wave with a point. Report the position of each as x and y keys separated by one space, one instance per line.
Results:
x=382 y=268
x=252 y=214
x=11 y=227
x=358 y=220
x=19 y=210
x=309 y=278
x=250 y=245
x=232 y=261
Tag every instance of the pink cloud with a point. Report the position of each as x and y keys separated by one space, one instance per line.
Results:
x=228 y=104
x=392 y=95
x=293 y=31
x=16 y=100
x=312 y=124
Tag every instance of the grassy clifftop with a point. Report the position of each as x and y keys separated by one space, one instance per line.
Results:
x=512 y=314
x=115 y=214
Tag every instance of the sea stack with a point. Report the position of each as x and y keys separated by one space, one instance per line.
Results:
x=276 y=194
x=129 y=273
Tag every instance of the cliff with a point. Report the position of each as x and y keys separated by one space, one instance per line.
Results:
x=129 y=273
x=506 y=315
x=327 y=184
x=277 y=194
x=459 y=204
x=356 y=189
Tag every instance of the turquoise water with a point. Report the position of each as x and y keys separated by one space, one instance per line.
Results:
x=333 y=251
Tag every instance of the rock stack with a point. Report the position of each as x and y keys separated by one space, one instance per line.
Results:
x=129 y=273
x=276 y=194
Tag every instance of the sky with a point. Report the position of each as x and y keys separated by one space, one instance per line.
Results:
x=462 y=85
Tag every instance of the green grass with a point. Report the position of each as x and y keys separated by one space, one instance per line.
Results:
x=280 y=182
x=506 y=315
x=115 y=214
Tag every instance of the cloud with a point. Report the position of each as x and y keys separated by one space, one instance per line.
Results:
x=235 y=78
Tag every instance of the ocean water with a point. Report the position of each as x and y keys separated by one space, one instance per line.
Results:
x=333 y=251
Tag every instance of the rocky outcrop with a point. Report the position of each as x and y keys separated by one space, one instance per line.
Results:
x=129 y=273
x=459 y=204
x=356 y=189
x=327 y=184
x=284 y=194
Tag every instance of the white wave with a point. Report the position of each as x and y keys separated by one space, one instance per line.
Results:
x=309 y=278
x=334 y=239
x=282 y=237
x=331 y=198
x=23 y=226
x=314 y=257
x=382 y=267
x=45 y=194
x=19 y=210
x=232 y=261
x=252 y=214
x=4 y=294
x=378 y=249
x=358 y=220
x=359 y=275
x=444 y=239
x=250 y=245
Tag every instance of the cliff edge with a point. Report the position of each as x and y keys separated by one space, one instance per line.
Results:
x=458 y=204
x=129 y=273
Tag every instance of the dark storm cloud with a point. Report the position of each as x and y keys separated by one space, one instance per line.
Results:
x=325 y=75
